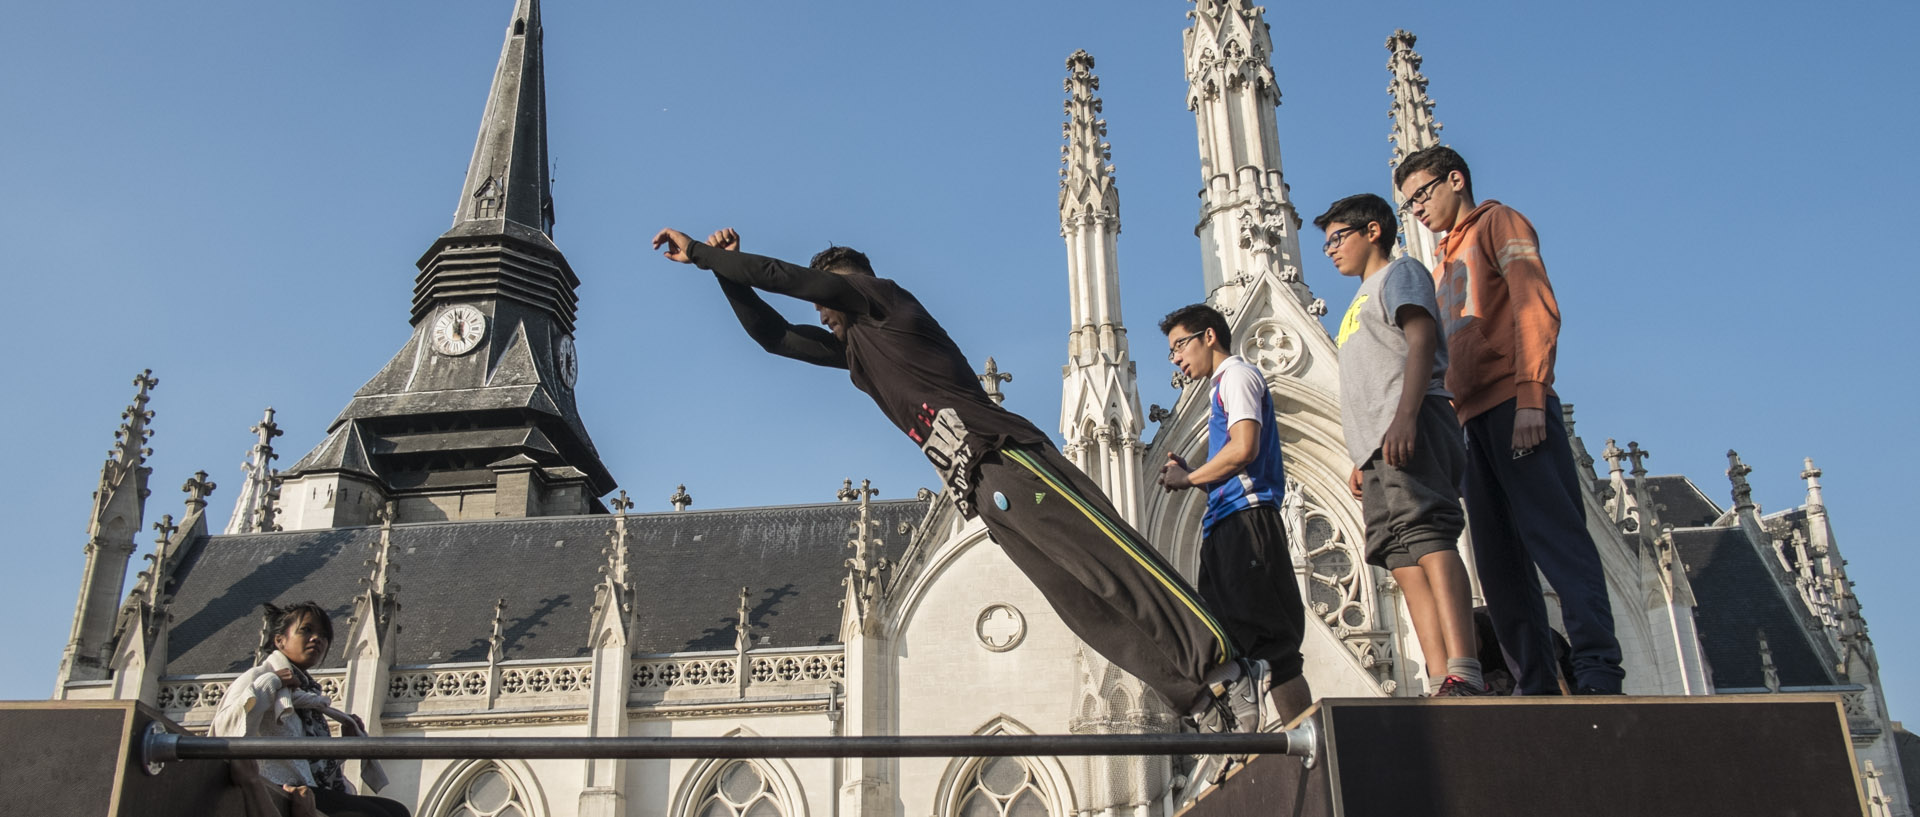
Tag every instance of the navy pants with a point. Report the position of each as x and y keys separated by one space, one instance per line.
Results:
x=1526 y=512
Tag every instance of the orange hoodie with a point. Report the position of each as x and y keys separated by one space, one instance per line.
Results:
x=1502 y=321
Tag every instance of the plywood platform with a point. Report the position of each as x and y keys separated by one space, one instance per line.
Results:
x=1570 y=757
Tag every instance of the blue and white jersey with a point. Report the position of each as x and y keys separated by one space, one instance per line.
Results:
x=1240 y=393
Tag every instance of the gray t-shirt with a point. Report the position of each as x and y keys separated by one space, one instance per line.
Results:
x=1373 y=353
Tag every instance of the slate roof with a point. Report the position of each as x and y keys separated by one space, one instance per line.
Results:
x=1738 y=597
x=1686 y=505
x=687 y=568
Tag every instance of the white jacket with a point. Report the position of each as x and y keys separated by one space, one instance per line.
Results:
x=257 y=705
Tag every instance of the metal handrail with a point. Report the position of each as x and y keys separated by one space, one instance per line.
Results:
x=162 y=747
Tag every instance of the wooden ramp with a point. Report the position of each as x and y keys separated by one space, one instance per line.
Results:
x=1786 y=755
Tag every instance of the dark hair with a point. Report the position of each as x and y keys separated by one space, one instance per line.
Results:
x=1199 y=318
x=834 y=258
x=1359 y=211
x=282 y=619
x=1438 y=160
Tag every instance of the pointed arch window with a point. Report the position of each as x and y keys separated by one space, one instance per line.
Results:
x=739 y=789
x=1002 y=787
x=487 y=792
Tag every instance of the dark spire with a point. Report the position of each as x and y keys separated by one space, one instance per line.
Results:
x=501 y=242
x=480 y=399
x=507 y=187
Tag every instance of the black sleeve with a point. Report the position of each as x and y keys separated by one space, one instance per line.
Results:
x=781 y=278
x=807 y=344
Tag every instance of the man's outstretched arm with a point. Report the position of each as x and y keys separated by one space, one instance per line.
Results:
x=760 y=272
x=767 y=327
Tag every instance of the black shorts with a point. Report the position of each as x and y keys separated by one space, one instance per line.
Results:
x=1246 y=577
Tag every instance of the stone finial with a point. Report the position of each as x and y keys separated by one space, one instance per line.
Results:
x=497 y=640
x=1815 y=502
x=1157 y=414
x=1637 y=455
x=1414 y=127
x=380 y=567
x=130 y=450
x=991 y=379
x=680 y=500
x=1614 y=457
x=1086 y=175
x=864 y=570
x=846 y=492
x=253 y=509
x=622 y=503
x=1768 y=671
x=1737 y=472
x=197 y=490
x=924 y=494
x=742 y=636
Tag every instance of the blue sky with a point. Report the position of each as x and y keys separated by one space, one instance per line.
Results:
x=233 y=194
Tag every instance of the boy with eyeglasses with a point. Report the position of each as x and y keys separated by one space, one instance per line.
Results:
x=1111 y=588
x=1524 y=503
x=1246 y=571
x=1403 y=437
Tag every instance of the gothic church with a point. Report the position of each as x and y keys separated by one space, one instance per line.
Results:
x=859 y=617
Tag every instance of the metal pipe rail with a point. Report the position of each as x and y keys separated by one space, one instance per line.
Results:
x=161 y=747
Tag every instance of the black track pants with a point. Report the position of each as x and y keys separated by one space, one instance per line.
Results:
x=1110 y=587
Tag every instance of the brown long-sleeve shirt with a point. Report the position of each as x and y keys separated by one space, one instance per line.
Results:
x=1503 y=324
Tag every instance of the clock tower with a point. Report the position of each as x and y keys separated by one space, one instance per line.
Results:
x=474 y=417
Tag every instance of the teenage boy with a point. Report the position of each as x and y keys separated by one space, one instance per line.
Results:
x=1524 y=506
x=1246 y=572
x=1403 y=436
x=1107 y=584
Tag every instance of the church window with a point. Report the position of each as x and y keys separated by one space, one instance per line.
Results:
x=519 y=26
x=488 y=793
x=486 y=200
x=739 y=790
x=1002 y=787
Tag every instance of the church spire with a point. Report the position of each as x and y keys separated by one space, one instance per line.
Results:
x=480 y=401
x=1100 y=415
x=119 y=505
x=1414 y=129
x=507 y=186
x=1248 y=226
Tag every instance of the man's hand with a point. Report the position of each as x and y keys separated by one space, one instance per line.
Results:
x=1397 y=446
x=1173 y=474
x=725 y=238
x=1353 y=483
x=1529 y=430
x=678 y=243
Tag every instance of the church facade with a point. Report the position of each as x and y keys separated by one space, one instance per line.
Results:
x=858 y=617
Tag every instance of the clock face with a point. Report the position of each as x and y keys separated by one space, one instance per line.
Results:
x=567 y=361
x=458 y=330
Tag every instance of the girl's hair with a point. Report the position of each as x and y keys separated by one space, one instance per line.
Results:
x=281 y=619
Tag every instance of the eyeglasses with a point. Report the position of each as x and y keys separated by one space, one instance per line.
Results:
x=1336 y=238
x=1421 y=194
x=1177 y=344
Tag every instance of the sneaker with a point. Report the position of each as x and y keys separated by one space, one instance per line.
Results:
x=1586 y=689
x=1246 y=694
x=1214 y=717
x=1457 y=687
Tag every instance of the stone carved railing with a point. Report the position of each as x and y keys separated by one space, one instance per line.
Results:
x=470 y=681
x=722 y=670
x=193 y=698
x=827 y=665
